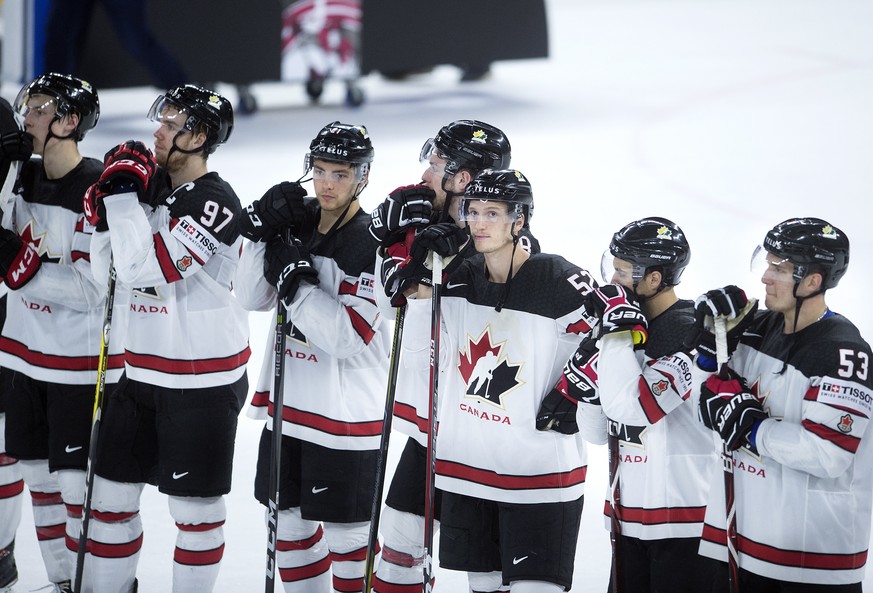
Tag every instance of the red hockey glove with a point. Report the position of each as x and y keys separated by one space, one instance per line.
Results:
x=19 y=261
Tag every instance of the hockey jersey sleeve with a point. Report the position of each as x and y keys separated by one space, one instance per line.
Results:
x=70 y=283
x=642 y=393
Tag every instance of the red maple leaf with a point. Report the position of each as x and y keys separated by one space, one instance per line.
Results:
x=475 y=351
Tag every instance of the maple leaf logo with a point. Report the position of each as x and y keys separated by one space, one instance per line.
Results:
x=845 y=424
x=38 y=241
x=487 y=372
x=660 y=387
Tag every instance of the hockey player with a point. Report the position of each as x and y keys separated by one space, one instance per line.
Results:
x=512 y=496
x=335 y=361
x=795 y=409
x=16 y=146
x=51 y=337
x=174 y=243
x=664 y=454
x=458 y=152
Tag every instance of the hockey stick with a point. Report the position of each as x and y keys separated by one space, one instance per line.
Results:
x=429 y=488
x=96 y=415
x=612 y=445
x=376 y=512
x=276 y=445
x=721 y=354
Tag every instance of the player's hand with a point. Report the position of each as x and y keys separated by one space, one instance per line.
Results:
x=19 y=261
x=727 y=407
x=129 y=166
x=94 y=209
x=286 y=265
x=406 y=206
x=281 y=207
x=619 y=312
x=16 y=145
x=729 y=302
x=578 y=383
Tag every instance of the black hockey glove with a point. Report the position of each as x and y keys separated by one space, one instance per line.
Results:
x=19 y=261
x=446 y=239
x=16 y=146
x=618 y=312
x=406 y=206
x=129 y=167
x=729 y=302
x=727 y=407
x=578 y=383
x=286 y=265
x=282 y=206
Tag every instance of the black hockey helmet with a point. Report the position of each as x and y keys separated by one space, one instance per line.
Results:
x=205 y=110
x=71 y=95
x=501 y=185
x=812 y=245
x=469 y=144
x=341 y=143
x=651 y=243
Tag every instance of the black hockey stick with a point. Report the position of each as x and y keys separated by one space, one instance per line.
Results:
x=276 y=446
x=376 y=512
x=721 y=354
x=613 y=450
x=429 y=487
x=99 y=395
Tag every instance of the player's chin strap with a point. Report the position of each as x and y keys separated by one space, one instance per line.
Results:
x=798 y=303
x=505 y=294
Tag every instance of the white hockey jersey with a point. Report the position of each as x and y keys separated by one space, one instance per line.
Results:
x=803 y=501
x=177 y=261
x=337 y=345
x=54 y=323
x=666 y=456
x=495 y=370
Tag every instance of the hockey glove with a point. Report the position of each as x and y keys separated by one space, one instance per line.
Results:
x=286 y=265
x=577 y=383
x=16 y=146
x=727 y=407
x=406 y=206
x=19 y=261
x=619 y=312
x=129 y=167
x=95 y=211
x=729 y=302
x=446 y=239
x=282 y=206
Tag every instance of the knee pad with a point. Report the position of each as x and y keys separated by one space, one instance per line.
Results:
x=192 y=510
x=72 y=485
x=535 y=587
x=346 y=537
x=485 y=581
x=115 y=497
x=293 y=527
x=403 y=532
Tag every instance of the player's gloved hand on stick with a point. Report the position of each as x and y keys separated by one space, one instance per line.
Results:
x=16 y=145
x=619 y=312
x=578 y=383
x=286 y=265
x=281 y=207
x=729 y=302
x=406 y=206
x=727 y=406
x=94 y=209
x=19 y=261
x=129 y=167
x=446 y=239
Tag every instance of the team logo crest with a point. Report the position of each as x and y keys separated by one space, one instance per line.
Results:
x=845 y=424
x=486 y=370
x=214 y=102
x=147 y=291
x=40 y=244
x=660 y=387
x=184 y=262
x=665 y=233
x=480 y=136
x=828 y=232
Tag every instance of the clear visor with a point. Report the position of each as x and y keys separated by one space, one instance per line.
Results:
x=40 y=104
x=427 y=149
x=355 y=174
x=492 y=212
x=771 y=268
x=170 y=115
x=614 y=270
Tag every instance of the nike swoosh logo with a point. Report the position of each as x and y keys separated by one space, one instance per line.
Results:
x=517 y=560
x=177 y=476
x=451 y=285
x=70 y=449
x=318 y=490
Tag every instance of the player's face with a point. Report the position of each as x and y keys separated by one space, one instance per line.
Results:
x=433 y=178
x=172 y=131
x=778 y=279
x=335 y=184
x=622 y=273
x=490 y=225
x=40 y=111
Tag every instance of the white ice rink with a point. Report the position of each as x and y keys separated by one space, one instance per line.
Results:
x=726 y=116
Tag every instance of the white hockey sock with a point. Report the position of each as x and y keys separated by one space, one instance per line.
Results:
x=11 y=488
x=486 y=582
x=301 y=554
x=199 y=543
x=347 y=543
x=402 y=561
x=114 y=535
x=49 y=518
x=535 y=587
x=72 y=484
